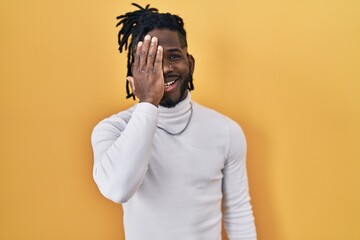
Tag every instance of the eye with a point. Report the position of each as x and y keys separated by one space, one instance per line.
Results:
x=174 y=57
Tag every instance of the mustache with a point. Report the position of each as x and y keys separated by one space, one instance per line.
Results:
x=171 y=75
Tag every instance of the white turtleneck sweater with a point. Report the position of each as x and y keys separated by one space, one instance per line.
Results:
x=175 y=187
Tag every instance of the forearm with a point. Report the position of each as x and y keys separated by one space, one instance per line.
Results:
x=238 y=216
x=121 y=157
x=238 y=219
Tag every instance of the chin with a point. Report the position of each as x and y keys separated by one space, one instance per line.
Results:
x=171 y=101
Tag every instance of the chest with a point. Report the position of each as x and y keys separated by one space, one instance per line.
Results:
x=195 y=159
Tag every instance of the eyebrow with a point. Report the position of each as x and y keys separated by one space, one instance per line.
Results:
x=173 y=50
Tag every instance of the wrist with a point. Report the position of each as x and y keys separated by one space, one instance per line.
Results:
x=151 y=101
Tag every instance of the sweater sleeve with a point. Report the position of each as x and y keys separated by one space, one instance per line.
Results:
x=122 y=152
x=237 y=210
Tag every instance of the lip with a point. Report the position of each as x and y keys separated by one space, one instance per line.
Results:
x=172 y=86
x=171 y=78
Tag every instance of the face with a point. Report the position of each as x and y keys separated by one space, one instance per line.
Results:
x=178 y=67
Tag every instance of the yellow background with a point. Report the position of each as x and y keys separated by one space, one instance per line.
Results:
x=287 y=71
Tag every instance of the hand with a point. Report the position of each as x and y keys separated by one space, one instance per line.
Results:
x=148 y=78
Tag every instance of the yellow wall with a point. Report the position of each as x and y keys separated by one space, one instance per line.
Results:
x=287 y=71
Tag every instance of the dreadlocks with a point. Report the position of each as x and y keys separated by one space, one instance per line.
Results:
x=137 y=24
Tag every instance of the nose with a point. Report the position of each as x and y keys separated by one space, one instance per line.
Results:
x=167 y=67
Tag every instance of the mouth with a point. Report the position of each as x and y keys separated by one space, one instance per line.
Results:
x=170 y=80
x=168 y=84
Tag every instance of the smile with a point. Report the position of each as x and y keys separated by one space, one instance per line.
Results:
x=168 y=84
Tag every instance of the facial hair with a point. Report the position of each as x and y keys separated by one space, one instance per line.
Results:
x=168 y=103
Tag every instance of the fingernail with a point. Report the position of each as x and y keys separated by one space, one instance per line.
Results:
x=140 y=43
x=153 y=39
x=147 y=37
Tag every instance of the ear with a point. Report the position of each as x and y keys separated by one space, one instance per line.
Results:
x=131 y=81
x=191 y=60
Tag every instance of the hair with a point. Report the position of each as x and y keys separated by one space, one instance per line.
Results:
x=136 y=24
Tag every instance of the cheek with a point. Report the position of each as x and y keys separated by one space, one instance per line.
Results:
x=183 y=68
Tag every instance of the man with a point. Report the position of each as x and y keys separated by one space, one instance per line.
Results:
x=177 y=168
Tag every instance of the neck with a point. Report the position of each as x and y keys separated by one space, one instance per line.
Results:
x=175 y=119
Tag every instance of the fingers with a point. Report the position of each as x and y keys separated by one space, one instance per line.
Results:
x=144 y=52
x=152 y=52
x=137 y=55
x=158 y=59
x=147 y=80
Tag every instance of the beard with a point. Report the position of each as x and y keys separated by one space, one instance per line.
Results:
x=170 y=103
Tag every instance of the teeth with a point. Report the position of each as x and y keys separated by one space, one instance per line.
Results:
x=169 y=83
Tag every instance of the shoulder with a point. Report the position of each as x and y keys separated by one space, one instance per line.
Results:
x=223 y=126
x=214 y=117
x=121 y=117
x=114 y=124
x=117 y=122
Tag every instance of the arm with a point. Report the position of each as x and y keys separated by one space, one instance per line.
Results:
x=122 y=150
x=238 y=217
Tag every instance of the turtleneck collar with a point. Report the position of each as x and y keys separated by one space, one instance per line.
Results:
x=175 y=119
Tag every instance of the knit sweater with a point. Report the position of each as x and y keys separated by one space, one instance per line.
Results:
x=175 y=187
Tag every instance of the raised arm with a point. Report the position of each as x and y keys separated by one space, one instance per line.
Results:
x=122 y=152
x=122 y=144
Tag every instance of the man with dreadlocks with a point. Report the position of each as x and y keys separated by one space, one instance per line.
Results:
x=177 y=167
